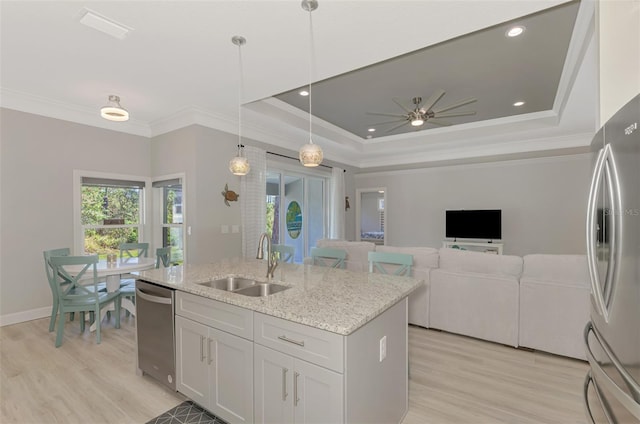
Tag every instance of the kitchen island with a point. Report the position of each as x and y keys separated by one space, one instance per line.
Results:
x=331 y=347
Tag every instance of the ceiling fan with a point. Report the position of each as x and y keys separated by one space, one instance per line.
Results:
x=422 y=113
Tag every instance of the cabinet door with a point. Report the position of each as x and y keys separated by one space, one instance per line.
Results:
x=318 y=394
x=273 y=373
x=192 y=370
x=231 y=365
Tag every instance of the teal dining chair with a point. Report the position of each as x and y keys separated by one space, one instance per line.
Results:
x=128 y=290
x=285 y=252
x=133 y=250
x=327 y=256
x=391 y=263
x=163 y=256
x=127 y=281
x=79 y=291
x=54 y=280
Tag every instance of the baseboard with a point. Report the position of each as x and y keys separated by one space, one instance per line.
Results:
x=30 y=315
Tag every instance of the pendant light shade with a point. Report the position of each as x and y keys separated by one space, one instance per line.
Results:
x=113 y=111
x=239 y=165
x=310 y=154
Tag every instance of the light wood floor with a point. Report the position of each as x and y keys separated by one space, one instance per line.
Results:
x=454 y=379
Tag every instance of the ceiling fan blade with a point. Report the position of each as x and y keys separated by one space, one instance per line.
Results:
x=396 y=127
x=455 y=105
x=439 y=123
x=431 y=101
x=387 y=114
x=401 y=105
x=452 y=114
x=389 y=122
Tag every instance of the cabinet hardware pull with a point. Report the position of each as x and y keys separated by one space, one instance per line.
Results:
x=201 y=348
x=209 y=351
x=284 y=384
x=295 y=389
x=286 y=339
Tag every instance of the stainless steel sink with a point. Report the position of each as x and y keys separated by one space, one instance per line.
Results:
x=245 y=286
x=262 y=289
x=229 y=283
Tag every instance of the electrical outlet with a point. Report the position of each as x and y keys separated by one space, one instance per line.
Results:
x=224 y=229
x=383 y=348
x=235 y=229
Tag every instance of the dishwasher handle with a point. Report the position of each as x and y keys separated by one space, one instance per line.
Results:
x=153 y=299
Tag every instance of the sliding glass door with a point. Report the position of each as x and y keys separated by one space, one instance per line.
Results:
x=296 y=210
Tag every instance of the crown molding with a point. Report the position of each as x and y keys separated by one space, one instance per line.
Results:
x=37 y=105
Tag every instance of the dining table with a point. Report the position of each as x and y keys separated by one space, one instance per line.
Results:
x=113 y=271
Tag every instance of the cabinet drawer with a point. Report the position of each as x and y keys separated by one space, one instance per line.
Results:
x=311 y=344
x=225 y=317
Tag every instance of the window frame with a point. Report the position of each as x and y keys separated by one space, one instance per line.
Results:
x=157 y=213
x=79 y=229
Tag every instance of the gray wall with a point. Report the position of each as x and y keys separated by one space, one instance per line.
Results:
x=38 y=158
x=203 y=154
x=542 y=200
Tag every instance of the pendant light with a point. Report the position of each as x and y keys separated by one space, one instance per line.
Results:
x=310 y=154
x=113 y=111
x=239 y=165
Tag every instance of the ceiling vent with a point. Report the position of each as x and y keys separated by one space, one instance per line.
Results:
x=103 y=24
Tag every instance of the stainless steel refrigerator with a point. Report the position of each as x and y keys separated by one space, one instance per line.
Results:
x=612 y=337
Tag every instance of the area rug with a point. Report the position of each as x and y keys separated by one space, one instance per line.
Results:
x=187 y=413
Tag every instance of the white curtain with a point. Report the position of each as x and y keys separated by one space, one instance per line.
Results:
x=253 y=205
x=336 y=194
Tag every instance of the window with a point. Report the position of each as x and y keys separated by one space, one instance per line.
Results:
x=168 y=204
x=111 y=213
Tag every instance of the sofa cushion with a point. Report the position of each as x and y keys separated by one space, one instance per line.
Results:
x=571 y=269
x=480 y=262
x=423 y=257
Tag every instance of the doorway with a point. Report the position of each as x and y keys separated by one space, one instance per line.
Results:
x=371 y=214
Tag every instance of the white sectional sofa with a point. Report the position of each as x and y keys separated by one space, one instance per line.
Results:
x=539 y=301
x=476 y=294
x=554 y=303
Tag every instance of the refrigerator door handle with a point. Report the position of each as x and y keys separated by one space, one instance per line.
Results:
x=605 y=167
x=594 y=279
x=601 y=376
x=585 y=393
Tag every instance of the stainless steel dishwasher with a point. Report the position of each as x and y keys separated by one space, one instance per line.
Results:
x=156 y=341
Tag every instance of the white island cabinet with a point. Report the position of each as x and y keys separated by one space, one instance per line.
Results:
x=214 y=368
x=331 y=348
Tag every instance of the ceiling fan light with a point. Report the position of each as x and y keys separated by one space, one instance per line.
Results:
x=310 y=155
x=113 y=111
x=239 y=165
x=416 y=122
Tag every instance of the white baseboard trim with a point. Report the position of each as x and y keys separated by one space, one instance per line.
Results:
x=30 y=315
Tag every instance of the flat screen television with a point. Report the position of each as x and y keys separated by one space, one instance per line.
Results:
x=474 y=224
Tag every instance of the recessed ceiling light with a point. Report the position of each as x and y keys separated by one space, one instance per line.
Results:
x=515 y=31
x=371 y=129
x=103 y=24
x=303 y=93
x=518 y=103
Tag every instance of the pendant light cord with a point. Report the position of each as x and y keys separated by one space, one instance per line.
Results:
x=311 y=55
x=240 y=82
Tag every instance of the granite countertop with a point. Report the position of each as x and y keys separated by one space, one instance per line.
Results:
x=335 y=300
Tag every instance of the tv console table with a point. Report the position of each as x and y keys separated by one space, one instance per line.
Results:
x=495 y=248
